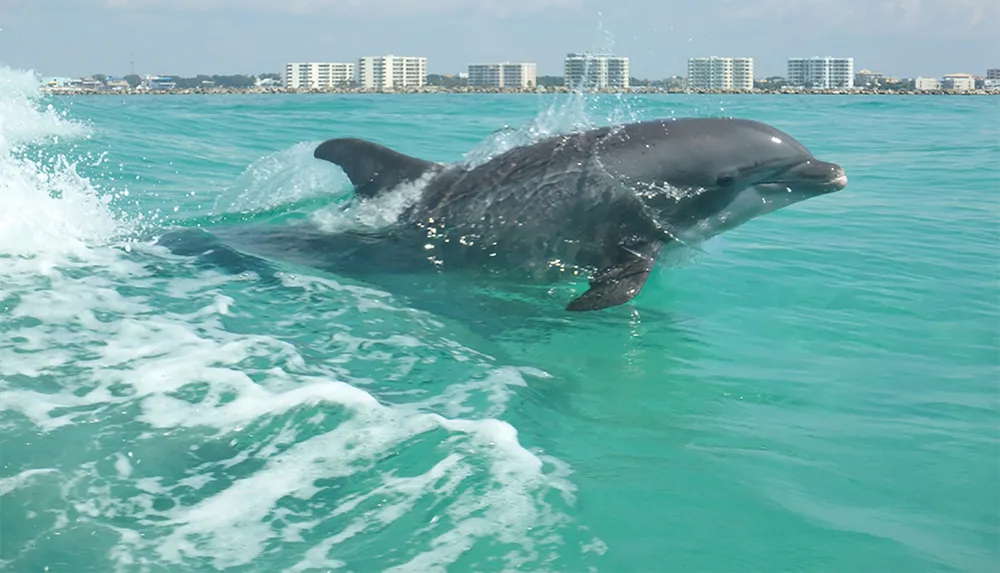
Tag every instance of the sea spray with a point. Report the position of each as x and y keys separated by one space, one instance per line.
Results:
x=160 y=415
x=45 y=204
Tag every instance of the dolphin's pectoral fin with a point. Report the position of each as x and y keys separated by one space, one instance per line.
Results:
x=372 y=168
x=620 y=283
x=611 y=287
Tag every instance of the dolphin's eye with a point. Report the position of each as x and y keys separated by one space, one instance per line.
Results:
x=725 y=179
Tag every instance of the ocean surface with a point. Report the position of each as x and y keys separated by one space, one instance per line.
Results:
x=814 y=391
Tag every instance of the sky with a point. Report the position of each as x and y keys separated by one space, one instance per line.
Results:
x=188 y=37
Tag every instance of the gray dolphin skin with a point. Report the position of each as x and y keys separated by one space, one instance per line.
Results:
x=601 y=203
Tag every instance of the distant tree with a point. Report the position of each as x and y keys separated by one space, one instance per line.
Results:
x=896 y=85
x=100 y=77
x=234 y=81
x=182 y=83
x=269 y=76
x=771 y=82
x=550 y=81
x=191 y=83
x=133 y=80
x=445 y=81
x=227 y=81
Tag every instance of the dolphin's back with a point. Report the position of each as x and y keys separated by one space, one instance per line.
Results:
x=532 y=205
x=516 y=179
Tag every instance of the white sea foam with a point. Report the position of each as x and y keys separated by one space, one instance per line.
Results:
x=139 y=345
x=45 y=205
x=377 y=212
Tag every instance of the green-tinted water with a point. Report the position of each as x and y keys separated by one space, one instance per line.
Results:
x=817 y=392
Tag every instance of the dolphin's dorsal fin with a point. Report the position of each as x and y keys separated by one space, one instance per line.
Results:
x=372 y=168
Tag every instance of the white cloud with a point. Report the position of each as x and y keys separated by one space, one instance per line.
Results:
x=382 y=8
x=869 y=14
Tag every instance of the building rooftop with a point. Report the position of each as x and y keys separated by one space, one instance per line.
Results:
x=591 y=55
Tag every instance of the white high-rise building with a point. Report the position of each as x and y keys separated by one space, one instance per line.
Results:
x=318 y=75
x=821 y=73
x=743 y=74
x=715 y=73
x=390 y=72
x=596 y=71
x=504 y=75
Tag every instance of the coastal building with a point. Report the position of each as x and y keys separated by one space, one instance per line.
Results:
x=504 y=75
x=893 y=83
x=87 y=83
x=821 y=72
x=56 y=82
x=959 y=82
x=715 y=73
x=318 y=75
x=588 y=70
x=743 y=74
x=116 y=83
x=993 y=74
x=867 y=78
x=158 y=83
x=92 y=83
x=926 y=84
x=390 y=72
x=675 y=83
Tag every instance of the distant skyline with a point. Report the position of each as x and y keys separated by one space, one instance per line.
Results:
x=188 y=37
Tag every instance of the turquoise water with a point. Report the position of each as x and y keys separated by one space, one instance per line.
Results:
x=816 y=391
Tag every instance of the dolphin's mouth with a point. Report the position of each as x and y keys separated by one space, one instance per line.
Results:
x=812 y=176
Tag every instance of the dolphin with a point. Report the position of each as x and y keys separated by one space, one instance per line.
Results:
x=600 y=203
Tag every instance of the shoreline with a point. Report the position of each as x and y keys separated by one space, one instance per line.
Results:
x=480 y=91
